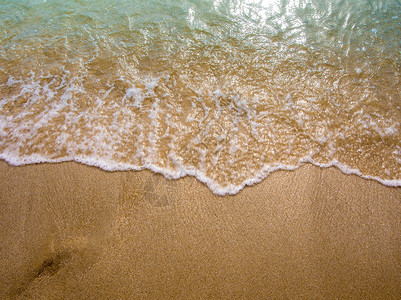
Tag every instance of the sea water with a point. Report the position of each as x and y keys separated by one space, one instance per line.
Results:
x=224 y=90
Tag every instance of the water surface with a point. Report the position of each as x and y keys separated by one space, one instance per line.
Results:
x=226 y=90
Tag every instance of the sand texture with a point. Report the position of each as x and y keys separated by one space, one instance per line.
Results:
x=69 y=231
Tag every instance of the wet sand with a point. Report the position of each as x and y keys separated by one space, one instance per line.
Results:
x=69 y=231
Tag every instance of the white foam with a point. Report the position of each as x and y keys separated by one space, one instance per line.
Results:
x=231 y=139
x=136 y=94
x=180 y=170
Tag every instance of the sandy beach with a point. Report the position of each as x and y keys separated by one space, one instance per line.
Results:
x=69 y=231
x=225 y=91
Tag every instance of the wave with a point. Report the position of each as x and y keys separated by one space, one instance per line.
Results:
x=226 y=91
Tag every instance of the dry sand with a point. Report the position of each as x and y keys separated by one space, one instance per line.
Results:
x=70 y=231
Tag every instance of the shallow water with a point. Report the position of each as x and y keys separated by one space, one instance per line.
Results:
x=227 y=91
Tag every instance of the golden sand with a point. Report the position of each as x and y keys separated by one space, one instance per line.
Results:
x=69 y=231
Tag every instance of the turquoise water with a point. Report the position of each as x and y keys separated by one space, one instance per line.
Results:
x=227 y=91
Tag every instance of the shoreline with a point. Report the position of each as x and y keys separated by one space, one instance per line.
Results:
x=72 y=230
x=214 y=187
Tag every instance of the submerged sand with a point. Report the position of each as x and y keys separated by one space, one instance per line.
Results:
x=72 y=231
